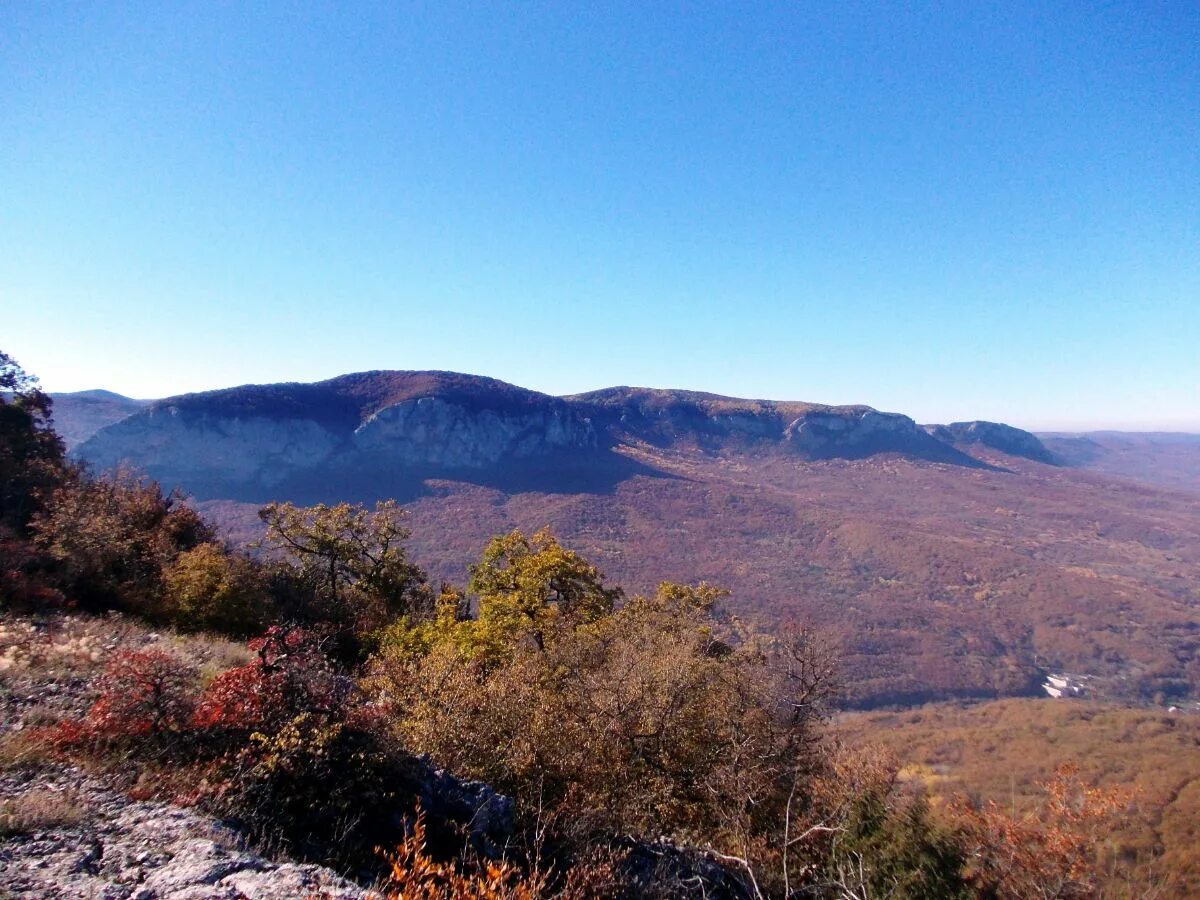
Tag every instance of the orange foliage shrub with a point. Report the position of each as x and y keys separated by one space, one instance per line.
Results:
x=1049 y=852
x=414 y=875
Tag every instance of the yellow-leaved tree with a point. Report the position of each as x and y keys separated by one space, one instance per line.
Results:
x=526 y=584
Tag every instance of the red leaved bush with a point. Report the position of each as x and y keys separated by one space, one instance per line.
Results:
x=288 y=676
x=144 y=695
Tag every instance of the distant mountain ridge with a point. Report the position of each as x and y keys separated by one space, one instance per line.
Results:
x=388 y=427
x=80 y=414
x=340 y=406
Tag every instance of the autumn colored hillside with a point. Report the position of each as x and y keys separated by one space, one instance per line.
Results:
x=1001 y=751
x=938 y=580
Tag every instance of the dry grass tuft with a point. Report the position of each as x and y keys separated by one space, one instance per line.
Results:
x=40 y=809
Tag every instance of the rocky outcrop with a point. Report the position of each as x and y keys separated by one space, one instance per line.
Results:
x=118 y=849
x=996 y=435
x=861 y=431
x=477 y=815
x=429 y=431
x=663 y=868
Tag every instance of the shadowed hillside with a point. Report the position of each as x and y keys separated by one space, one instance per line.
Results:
x=81 y=414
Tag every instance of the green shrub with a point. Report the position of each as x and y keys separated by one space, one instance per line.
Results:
x=31 y=453
x=208 y=587
x=894 y=849
x=350 y=563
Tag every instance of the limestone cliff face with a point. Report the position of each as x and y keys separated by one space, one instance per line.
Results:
x=432 y=431
x=666 y=416
x=807 y=429
x=853 y=424
x=858 y=431
x=998 y=436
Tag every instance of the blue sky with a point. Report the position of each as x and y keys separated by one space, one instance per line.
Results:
x=951 y=210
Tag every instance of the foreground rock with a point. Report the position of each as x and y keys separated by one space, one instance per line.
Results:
x=96 y=843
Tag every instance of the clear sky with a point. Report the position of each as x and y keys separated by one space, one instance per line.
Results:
x=957 y=210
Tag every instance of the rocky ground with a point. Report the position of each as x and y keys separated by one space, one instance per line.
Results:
x=93 y=842
x=65 y=833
